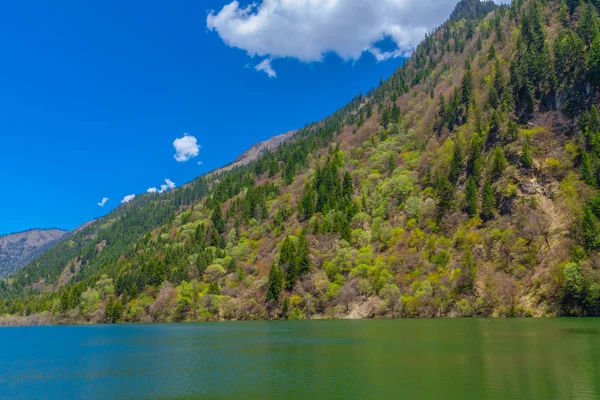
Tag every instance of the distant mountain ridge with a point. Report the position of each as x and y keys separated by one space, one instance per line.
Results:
x=255 y=151
x=18 y=249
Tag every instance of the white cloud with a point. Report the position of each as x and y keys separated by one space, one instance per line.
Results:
x=152 y=190
x=103 y=201
x=169 y=184
x=200 y=162
x=266 y=67
x=309 y=29
x=186 y=147
x=128 y=198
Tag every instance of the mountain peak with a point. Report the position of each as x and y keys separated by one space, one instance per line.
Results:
x=472 y=9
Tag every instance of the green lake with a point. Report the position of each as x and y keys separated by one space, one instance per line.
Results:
x=371 y=359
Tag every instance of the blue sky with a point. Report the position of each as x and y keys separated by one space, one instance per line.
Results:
x=93 y=94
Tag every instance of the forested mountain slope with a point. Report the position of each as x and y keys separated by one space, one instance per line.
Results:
x=464 y=185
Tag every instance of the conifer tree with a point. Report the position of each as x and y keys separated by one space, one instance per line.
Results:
x=302 y=259
x=471 y=197
x=347 y=187
x=586 y=170
x=456 y=162
x=474 y=164
x=587 y=26
x=287 y=261
x=445 y=195
x=498 y=163
x=275 y=284
x=488 y=202
x=594 y=62
x=590 y=229
x=307 y=205
x=526 y=158
x=491 y=52
x=217 y=219
x=467 y=89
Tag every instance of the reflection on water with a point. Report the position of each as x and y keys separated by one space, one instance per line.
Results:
x=451 y=359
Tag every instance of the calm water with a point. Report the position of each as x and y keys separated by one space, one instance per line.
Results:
x=401 y=359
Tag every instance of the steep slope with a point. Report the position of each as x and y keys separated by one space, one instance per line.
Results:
x=464 y=185
x=17 y=249
x=255 y=151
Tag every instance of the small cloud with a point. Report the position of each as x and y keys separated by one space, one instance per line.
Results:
x=186 y=147
x=128 y=198
x=152 y=190
x=267 y=68
x=200 y=162
x=103 y=201
x=169 y=184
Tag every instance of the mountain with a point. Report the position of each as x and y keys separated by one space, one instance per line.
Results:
x=17 y=249
x=466 y=184
x=255 y=151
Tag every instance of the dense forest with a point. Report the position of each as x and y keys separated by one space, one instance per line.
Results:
x=464 y=185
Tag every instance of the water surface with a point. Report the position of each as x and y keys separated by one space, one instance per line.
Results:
x=401 y=359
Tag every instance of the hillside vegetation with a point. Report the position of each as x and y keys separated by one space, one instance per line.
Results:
x=464 y=185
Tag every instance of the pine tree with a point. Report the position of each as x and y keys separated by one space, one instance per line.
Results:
x=302 y=259
x=471 y=197
x=498 y=164
x=495 y=129
x=287 y=261
x=445 y=195
x=587 y=174
x=217 y=219
x=307 y=205
x=441 y=115
x=590 y=229
x=594 y=62
x=456 y=162
x=467 y=89
x=526 y=158
x=474 y=164
x=275 y=284
x=491 y=52
x=587 y=26
x=347 y=187
x=488 y=202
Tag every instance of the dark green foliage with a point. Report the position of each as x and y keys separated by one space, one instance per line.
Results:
x=217 y=219
x=275 y=284
x=589 y=229
x=587 y=26
x=491 y=52
x=594 y=62
x=214 y=289
x=113 y=311
x=498 y=163
x=307 y=205
x=526 y=157
x=474 y=165
x=472 y=9
x=587 y=175
x=581 y=295
x=488 y=202
x=471 y=197
x=455 y=163
x=445 y=196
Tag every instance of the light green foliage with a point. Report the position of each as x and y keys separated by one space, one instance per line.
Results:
x=214 y=272
x=105 y=286
x=90 y=300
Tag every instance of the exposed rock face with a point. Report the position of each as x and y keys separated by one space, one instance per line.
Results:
x=18 y=249
x=256 y=151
